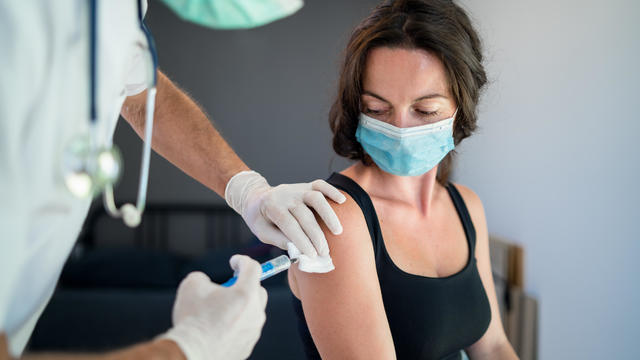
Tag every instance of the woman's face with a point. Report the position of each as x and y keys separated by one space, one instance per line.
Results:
x=406 y=87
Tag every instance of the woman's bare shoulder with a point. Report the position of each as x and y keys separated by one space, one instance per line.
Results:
x=348 y=212
x=343 y=308
x=355 y=234
x=349 y=250
x=345 y=249
x=472 y=201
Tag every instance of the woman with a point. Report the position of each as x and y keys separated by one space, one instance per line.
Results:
x=412 y=276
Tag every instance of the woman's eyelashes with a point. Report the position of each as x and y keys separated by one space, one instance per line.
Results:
x=376 y=112
x=427 y=113
x=422 y=113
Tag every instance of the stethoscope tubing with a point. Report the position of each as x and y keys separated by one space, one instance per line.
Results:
x=108 y=197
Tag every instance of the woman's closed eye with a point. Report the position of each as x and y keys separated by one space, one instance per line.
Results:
x=375 y=112
x=427 y=113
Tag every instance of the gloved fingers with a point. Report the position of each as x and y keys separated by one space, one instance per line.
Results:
x=247 y=270
x=289 y=226
x=319 y=203
x=268 y=233
x=328 y=190
x=251 y=335
x=310 y=226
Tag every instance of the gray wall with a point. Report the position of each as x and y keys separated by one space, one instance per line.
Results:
x=268 y=91
x=557 y=165
x=555 y=159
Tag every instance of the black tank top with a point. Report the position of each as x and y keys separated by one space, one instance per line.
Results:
x=429 y=318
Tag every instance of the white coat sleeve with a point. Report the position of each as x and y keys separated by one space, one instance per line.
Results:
x=16 y=72
x=139 y=72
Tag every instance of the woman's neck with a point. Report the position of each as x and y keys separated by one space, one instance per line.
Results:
x=415 y=191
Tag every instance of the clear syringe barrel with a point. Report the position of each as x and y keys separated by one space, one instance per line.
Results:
x=275 y=266
x=269 y=269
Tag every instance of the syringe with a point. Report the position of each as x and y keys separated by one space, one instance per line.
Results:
x=269 y=269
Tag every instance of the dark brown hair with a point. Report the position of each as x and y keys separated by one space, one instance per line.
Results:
x=438 y=26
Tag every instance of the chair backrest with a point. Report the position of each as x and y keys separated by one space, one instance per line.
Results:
x=185 y=229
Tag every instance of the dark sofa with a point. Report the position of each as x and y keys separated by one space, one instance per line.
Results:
x=109 y=298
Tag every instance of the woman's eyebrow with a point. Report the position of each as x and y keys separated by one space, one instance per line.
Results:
x=425 y=97
x=431 y=96
x=375 y=96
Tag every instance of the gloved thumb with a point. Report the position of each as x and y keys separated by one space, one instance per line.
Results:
x=247 y=270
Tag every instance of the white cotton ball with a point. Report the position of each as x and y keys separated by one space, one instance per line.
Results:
x=319 y=264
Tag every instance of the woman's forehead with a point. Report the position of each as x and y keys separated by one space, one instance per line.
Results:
x=400 y=73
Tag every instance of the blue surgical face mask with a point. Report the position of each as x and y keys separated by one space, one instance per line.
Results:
x=233 y=14
x=408 y=151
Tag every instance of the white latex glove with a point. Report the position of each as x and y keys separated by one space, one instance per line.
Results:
x=279 y=215
x=215 y=322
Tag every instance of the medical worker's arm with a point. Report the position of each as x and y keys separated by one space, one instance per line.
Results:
x=160 y=349
x=209 y=321
x=184 y=135
x=344 y=308
x=493 y=344
x=4 y=347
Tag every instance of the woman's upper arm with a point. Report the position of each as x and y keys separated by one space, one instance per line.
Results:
x=495 y=337
x=343 y=308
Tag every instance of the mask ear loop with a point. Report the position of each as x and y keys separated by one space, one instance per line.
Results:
x=130 y=214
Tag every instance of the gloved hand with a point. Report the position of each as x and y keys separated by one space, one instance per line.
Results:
x=281 y=214
x=214 y=322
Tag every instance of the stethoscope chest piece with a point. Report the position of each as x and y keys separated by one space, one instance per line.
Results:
x=88 y=169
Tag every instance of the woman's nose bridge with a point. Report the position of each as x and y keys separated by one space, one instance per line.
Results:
x=401 y=117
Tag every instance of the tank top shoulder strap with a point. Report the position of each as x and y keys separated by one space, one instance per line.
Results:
x=363 y=200
x=463 y=213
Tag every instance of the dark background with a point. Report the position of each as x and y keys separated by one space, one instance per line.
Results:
x=267 y=90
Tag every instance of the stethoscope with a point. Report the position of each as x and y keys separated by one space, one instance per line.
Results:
x=90 y=169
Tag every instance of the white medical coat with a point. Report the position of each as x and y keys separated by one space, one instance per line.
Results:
x=44 y=103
